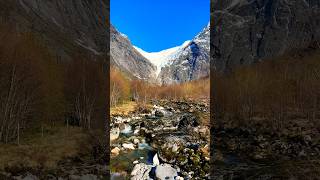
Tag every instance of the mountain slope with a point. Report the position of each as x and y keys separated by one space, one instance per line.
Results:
x=245 y=32
x=190 y=62
x=66 y=26
x=128 y=59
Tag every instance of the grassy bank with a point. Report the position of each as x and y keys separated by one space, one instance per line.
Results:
x=43 y=151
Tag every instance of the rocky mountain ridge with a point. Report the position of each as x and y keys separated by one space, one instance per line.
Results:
x=128 y=59
x=65 y=26
x=191 y=63
x=247 y=31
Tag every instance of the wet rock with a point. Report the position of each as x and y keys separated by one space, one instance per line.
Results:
x=125 y=128
x=168 y=147
x=188 y=120
x=136 y=131
x=166 y=172
x=140 y=171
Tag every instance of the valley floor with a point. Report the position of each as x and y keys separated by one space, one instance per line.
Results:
x=165 y=140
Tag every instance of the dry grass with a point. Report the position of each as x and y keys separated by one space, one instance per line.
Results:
x=42 y=152
x=124 y=108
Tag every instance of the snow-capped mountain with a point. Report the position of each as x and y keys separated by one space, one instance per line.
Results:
x=164 y=57
x=190 y=62
x=183 y=63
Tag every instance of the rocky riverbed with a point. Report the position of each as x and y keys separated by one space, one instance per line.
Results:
x=258 y=152
x=170 y=140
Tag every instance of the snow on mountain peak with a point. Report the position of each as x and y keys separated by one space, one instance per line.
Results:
x=162 y=58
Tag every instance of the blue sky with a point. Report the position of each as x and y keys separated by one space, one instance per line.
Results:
x=154 y=25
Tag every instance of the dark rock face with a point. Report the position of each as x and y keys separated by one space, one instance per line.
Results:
x=188 y=120
x=245 y=32
x=191 y=63
x=64 y=25
x=128 y=59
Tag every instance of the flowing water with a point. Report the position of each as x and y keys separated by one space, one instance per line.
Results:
x=143 y=136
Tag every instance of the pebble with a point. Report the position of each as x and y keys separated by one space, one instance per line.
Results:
x=135 y=162
x=128 y=146
x=136 y=141
x=115 y=151
x=179 y=178
x=155 y=160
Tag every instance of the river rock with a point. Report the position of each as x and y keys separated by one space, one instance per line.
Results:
x=166 y=172
x=188 y=120
x=136 y=141
x=128 y=146
x=136 y=132
x=155 y=160
x=114 y=134
x=141 y=171
x=159 y=113
x=125 y=128
x=135 y=162
x=115 y=151
x=179 y=178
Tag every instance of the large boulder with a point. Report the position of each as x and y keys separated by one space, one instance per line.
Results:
x=141 y=171
x=166 y=172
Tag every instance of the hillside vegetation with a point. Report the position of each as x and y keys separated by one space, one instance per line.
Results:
x=275 y=91
x=123 y=89
x=44 y=97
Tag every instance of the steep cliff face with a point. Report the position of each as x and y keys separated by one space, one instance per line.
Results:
x=128 y=59
x=248 y=31
x=64 y=25
x=190 y=63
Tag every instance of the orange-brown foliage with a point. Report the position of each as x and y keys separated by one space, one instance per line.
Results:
x=197 y=89
x=274 y=90
x=119 y=87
